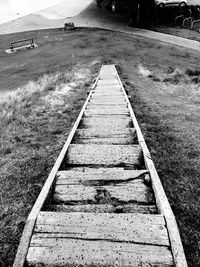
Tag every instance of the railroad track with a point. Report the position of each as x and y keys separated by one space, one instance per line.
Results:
x=103 y=203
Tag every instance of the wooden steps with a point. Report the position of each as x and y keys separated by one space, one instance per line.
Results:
x=115 y=123
x=96 y=253
x=137 y=239
x=133 y=228
x=115 y=188
x=104 y=155
x=105 y=133
x=106 y=208
x=120 y=193
x=105 y=175
x=104 y=204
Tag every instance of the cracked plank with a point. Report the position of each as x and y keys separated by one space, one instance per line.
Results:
x=76 y=177
x=137 y=192
x=135 y=228
x=49 y=251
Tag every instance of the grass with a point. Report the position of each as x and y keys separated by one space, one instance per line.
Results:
x=35 y=121
x=169 y=117
x=179 y=31
x=38 y=115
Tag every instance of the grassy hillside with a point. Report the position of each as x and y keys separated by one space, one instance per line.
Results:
x=42 y=91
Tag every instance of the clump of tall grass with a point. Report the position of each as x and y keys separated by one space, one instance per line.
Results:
x=171 y=75
x=20 y=102
x=174 y=76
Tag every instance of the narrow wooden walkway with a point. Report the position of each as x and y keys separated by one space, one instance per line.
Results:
x=106 y=206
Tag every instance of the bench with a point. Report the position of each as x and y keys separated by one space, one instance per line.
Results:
x=26 y=43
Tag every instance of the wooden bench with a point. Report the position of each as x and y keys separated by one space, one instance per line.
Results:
x=20 y=44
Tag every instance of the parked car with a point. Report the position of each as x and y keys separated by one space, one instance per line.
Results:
x=163 y=3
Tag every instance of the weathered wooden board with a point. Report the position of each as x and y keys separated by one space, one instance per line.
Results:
x=108 y=82
x=105 y=140
x=107 y=108
x=107 y=98
x=106 y=208
x=108 y=92
x=91 y=181
x=108 y=95
x=108 y=102
x=105 y=136
x=92 y=170
x=101 y=133
x=72 y=177
x=104 y=155
x=114 y=123
x=100 y=112
x=134 y=228
x=108 y=89
x=134 y=192
x=107 y=76
x=72 y=252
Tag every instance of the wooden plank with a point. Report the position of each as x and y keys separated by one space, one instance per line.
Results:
x=104 y=155
x=114 y=123
x=134 y=228
x=106 y=208
x=120 y=193
x=62 y=185
x=107 y=109
x=46 y=190
x=105 y=140
x=161 y=198
x=107 y=105
x=96 y=253
x=110 y=76
x=72 y=177
x=100 y=112
x=102 y=136
x=108 y=89
x=110 y=82
x=107 y=98
x=101 y=133
x=101 y=94
x=102 y=170
x=109 y=92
